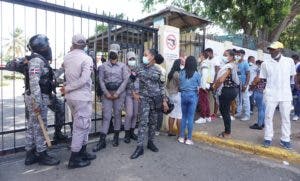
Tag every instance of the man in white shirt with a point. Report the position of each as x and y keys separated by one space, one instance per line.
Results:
x=214 y=67
x=277 y=73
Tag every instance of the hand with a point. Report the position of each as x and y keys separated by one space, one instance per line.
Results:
x=62 y=90
x=109 y=96
x=165 y=106
x=244 y=88
x=136 y=97
x=37 y=109
x=115 y=96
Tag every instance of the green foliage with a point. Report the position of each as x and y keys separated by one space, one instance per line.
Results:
x=291 y=36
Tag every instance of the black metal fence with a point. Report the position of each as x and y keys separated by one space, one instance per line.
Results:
x=21 y=19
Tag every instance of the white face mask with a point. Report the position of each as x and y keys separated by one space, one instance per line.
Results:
x=237 y=57
x=132 y=63
x=181 y=67
x=250 y=63
x=225 y=59
x=277 y=57
x=145 y=60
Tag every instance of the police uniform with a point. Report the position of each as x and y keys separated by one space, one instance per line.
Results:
x=151 y=91
x=77 y=88
x=38 y=85
x=113 y=79
x=131 y=105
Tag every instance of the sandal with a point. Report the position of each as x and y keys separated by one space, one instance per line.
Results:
x=224 y=135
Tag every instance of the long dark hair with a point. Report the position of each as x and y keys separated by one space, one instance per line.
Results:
x=159 y=59
x=175 y=68
x=190 y=66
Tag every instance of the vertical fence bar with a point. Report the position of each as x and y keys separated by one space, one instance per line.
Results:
x=81 y=22
x=46 y=12
x=2 y=118
x=14 y=75
x=95 y=49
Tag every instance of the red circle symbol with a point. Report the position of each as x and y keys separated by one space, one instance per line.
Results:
x=171 y=41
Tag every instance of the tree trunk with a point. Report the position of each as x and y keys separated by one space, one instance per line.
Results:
x=262 y=42
x=295 y=10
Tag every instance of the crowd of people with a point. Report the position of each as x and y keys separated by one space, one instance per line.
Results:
x=231 y=85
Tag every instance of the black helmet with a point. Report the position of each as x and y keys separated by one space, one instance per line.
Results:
x=39 y=44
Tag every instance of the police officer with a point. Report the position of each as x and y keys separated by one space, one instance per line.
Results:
x=38 y=88
x=113 y=77
x=78 y=93
x=56 y=105
x=151 y=97
x=131 y=105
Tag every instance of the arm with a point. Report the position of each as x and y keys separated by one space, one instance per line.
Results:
x=217 y=68
x=101 y=80
x=87 y=67
x=35 y=72
x=125 y=75
x=204 y=78
x=221 y=79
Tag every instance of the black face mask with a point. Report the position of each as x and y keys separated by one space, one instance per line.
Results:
x=47 y=54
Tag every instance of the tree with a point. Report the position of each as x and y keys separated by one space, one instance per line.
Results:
x=15 y=45
x=103 y=28
x=263 y=19
x=291 y=36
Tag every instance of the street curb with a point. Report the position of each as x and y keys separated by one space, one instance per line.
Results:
x=271 y=152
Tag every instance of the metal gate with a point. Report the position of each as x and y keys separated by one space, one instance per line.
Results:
x=21 y=19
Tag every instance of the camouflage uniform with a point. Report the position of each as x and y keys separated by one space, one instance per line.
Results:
x=34 y=99
x=150 y=87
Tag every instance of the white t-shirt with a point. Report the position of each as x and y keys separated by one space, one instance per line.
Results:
x=214 y=62
x=278 y=76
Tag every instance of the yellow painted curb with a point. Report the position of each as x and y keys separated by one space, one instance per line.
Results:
x=271 y=152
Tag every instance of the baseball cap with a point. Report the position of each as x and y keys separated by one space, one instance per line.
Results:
x=79 y=39
x=114 y=48
x=275 y=45
x=130 y=55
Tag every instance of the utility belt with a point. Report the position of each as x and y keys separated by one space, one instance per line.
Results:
x=112 y=86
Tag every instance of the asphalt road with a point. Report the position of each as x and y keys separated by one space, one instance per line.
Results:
x=174 y=161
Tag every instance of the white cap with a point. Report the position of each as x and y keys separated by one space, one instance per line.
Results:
x=79 y=39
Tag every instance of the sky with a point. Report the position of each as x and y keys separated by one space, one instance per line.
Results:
x=33 y=21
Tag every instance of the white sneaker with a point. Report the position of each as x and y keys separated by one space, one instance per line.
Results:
x=232 y=118
x=156 y=133
x=200 y=121
x=208 y=119
x=238 y=115
x=189 y=142
x=181 y=140
x=245 y=118
x=295 y=118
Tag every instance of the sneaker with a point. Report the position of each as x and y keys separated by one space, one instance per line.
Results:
x=238 y=115
x=256 y=126
x=208 y=119
x=189 y=142
x=232 y=118
x=181 y=140
x=295 y=118
x=286 y=145
x=267 y=143
x=156 y=133
x=200 y=121
x=245 y=118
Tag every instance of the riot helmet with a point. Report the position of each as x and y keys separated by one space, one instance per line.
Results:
x=39 y=44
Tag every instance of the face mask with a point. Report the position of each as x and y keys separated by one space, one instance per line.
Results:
x=250 y=63
x=224 y=59
x=145 y=60
x=132 y=63
x=181 y=67
x=237 y=57
x=277 y=57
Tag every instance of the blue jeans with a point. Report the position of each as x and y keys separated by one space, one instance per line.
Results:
x=261 y=107
x=244 y=103
x=188 y=106
x=296 y=102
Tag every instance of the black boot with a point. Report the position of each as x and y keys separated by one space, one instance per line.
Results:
x=138 y=152
x=60 y=137
x=132 y=135
x=101 y=144
x=45 y=159
x=116 y=139
x=127 y=136
x=31 y=157
x=86 y=155
x=152 y=147
x=76 y=161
